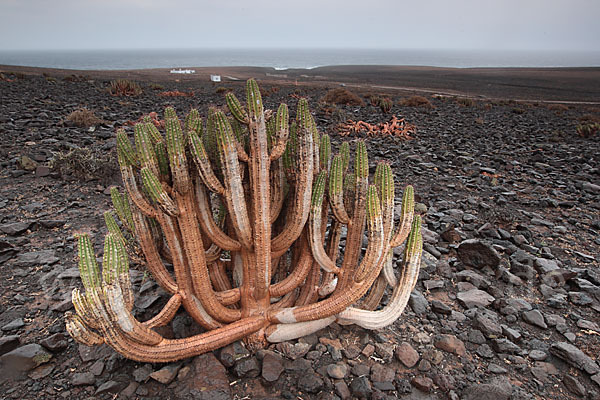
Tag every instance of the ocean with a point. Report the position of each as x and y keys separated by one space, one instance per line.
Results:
x=292 y=58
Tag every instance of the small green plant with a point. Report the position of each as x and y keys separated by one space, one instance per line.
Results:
x=372 y=98
x=588 y=129
x=385 y=103
x=156 y=86
x=465 y=101
x=124 y=87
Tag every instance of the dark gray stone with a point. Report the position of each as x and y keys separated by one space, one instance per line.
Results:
x=232 y=353
x=9 y=343
x=574 y=386
x=310 y=382
x=15 y=228
x=26 y=357
x=477 y=254
x=495 y=390
x=478 y=280
x=488 y=325
x=35 y=258
x=535 y=317
x=475 y=298
x=247 y=368
x=418 y=303
x=505 y=346
x=83 y=379
x=575 y=357
x=14 y=325
x=207 y=380
x=142 y=374
x=111 y=386
x=55 y=342
x=440 y=308
x=361 y=387
x=272 y=367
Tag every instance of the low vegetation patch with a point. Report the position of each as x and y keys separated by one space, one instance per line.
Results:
x=465 y=101
x=559 y=108
x=83 y=118
x=385 y=103
x=416 y=101
x=176 y=93
x=76 y=78
x=156 y=86
x=589 y=118
x=332 y=112
x=343 y=96
x=268 y=91
x=397 y=127
x=124 y=87
x=9 y=76
x=588 y=129
x=86 y=164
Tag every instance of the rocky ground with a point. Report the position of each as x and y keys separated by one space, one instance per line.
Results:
x=508 y=301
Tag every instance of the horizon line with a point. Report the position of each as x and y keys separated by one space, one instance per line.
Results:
x=300 y=48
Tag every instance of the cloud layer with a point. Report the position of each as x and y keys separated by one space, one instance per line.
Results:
x=432 y=24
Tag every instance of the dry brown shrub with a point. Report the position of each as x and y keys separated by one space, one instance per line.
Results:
x=267 y=91
x=589 y=118
x=83 y=118
x=86 y=164
x=156 y=86
x=416 y=101
x=176 y=93
x=558 y=107
x=76 y=78
x=465 y=101
x=343 y=96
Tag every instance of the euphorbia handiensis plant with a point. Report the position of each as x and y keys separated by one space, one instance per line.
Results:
x=239 y=220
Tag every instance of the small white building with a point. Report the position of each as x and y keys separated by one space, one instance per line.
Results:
x=215 y=78
x=183 y=71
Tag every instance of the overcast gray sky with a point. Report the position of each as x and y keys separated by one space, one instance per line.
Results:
x=429 y=24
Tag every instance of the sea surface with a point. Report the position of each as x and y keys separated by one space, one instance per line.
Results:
x=292 y=58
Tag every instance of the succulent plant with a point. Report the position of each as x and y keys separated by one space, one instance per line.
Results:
x=252 y=229
x=124 y=87
x=385 y=103
x=588 y=129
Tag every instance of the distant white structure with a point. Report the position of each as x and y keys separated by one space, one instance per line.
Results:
x=183 y=71
x=215 y=78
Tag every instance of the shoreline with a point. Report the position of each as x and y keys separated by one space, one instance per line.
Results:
x=545 y=84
